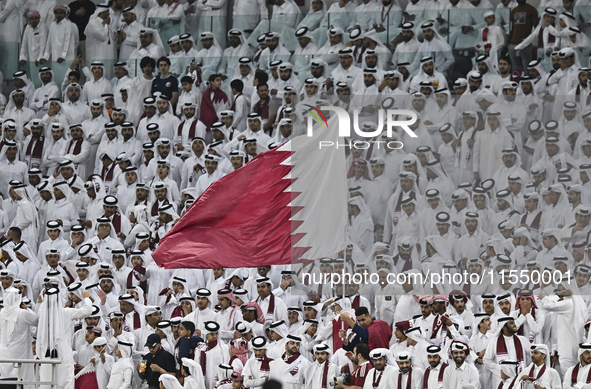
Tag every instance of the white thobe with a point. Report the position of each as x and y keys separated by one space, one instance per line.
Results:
x=492 y=360
x=19 y=345
x=562 y=335
x=153 y=51
x=488 y=149
x=132 y=32
x=581 y=377
x=94 y=89
x=253 y=376
x=206 y=180
x=313 y=375
x=291 y=375
x=61 y=42
x=279 y=313
x=455 y=377
x=217 y=355
x=549 y=380
x=101 y=41
x=417 y=379
x=34 y=40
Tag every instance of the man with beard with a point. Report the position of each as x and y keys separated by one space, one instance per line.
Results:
x=290 y=368
x=35 y=145
x=580 y=93
x=287 y=77
x=504 y=67
x=392 y=86
x=17 y=111
x=265 y=108
x=406 y=50
x=346 y=71
x=382 y=375
x=407 y=377
x=77 y=110
x=427 y=72
x=365 y=99
x=440 y=50
x=532 y=217
x=322 y=371
x=460 y=373
x=328 y=54
x=539 y=373
x=52 y=152
x=49 y=89
x=507 y=345
x=512 y=112
x=467 y=102
x=307 y=48
x=274 y=51
x=318 y=68
x=489 y=74
x=257 y=368
x=435 y=373
x=343 y=94
x=458 y=300
x=472 y=243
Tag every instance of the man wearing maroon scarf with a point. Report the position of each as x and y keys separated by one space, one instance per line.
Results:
x=290 y=368
x=214 y=100
x=433 y=378
x=408 y=377
x=539 y=371
x=211 y=353
x=528 y=318
x=321 y=373
x=507 y=346
x=257 y=369
x=35 y=145
x=382 y=374
x=266 y=108
x=375 y=333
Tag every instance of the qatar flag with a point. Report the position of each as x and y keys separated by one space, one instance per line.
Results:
x=86 y=378
x=287 y=205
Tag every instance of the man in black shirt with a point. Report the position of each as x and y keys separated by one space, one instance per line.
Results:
x=159 y=361
x=80 y=13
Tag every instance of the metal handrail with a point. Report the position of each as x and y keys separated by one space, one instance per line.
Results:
x=19 y=362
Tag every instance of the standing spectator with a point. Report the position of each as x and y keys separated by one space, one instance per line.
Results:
x=166 y=83
x=524 y=18
x=80 y=12
x=33 y=43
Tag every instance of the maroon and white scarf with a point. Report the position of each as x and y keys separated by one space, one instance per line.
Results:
x=34 y=153
x=271 y=309
x=439 y=378
x=502 y=348
x=540 y=374
x=204 y=348
x=575 y=373
x=408 y=380
x=191 y=130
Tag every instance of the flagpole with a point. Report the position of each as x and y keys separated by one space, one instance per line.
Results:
x=345 y=265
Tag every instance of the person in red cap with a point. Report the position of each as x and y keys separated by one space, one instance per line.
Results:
x=399 y=332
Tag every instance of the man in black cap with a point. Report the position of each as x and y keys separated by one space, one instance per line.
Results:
x=158 y=361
